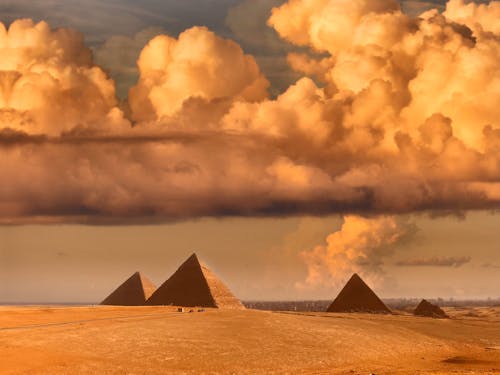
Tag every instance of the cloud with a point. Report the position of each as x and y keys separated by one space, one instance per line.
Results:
x=393 y=114
x=479 y=17
x=198 y=64
x=164 y=179
x=435 y=262
x=419 y=58
x=361 y=245
x=49 y=84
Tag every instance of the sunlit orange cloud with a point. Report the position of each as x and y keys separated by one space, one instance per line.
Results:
x=48 y=83
x=402 y=116
x=361 y=245
x=198 y=64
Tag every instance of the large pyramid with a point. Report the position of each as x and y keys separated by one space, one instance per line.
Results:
x=356 y=296
x=133 y=292
x=193 y=284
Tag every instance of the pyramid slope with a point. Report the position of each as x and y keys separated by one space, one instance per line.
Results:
x=221 y=294
x=425 y=308
x=356 y=296
x=193 y=284
x=133 y=292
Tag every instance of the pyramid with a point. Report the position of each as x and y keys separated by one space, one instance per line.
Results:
x=133 y=292
x=193 y=284
x=356 y=296
x=425 y=308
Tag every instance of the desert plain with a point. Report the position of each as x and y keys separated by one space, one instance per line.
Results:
x=161 y=340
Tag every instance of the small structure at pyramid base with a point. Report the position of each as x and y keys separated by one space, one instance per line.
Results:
x=194 y=285
x=133 y=292
x=427 y=309
x=356 y=296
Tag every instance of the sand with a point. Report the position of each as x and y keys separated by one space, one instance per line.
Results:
x=159 y=340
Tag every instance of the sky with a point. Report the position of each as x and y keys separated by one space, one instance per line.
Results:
x=288 y=143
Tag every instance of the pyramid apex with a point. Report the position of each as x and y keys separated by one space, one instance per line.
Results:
x=355 y=278
x=193 y=258
x=138 y=275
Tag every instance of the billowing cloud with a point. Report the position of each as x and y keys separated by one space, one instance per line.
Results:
x=429 y=57
x=393 y=114
x=479 y=17
x=49 y=84
x=435 y=262
x=326 y=25
x=198 y=65
x=361 y=245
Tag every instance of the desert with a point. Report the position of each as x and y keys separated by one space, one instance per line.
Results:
x=160 y=340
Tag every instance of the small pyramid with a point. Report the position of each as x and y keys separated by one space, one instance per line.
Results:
x=133 y=292
x=425 y=308
x=193 y=284
x=356 y=296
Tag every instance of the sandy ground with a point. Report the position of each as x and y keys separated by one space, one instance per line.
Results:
x=159 y=340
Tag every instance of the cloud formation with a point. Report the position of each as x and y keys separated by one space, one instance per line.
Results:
x=49 y=84
x=435 y=262
x=393 y=114
x=198 y=65
x=361 y=245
